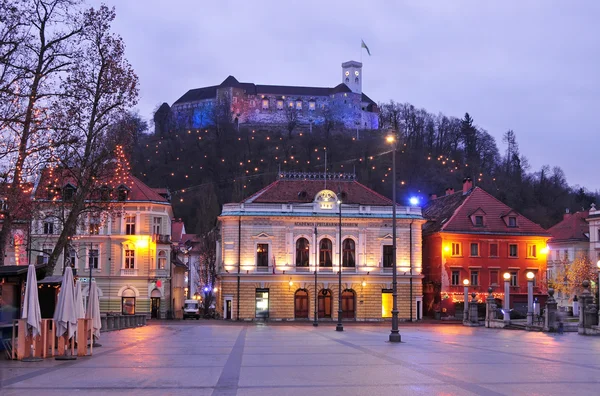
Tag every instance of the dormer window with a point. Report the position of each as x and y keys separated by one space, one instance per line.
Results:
x=68 y=193
x=512 y=221
x=122 y=193
x=104 y=193
x=478 y=221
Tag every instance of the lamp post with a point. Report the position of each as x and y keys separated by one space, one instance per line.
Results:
x=530 y=276
x=339 y=326
x=316 y=319
x=395 y=333
x=466 y=307
x=506 y=277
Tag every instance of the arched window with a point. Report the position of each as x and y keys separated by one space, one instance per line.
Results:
x=162 y=259
x=302 y=251
x=356 y=80
x=325 y=253
x=347 y=80
x=349 y=253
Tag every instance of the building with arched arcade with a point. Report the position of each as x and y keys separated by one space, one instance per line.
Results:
x=273 y=243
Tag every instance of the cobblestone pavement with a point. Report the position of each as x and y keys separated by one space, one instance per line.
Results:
x=208 y=358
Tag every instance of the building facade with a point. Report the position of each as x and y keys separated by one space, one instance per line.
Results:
x=127 y=247
x=280 y=252
x=275 y=105
x=594 y=223
x=470 y=235
x=570 y=239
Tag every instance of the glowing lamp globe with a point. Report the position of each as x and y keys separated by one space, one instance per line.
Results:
x=390 y=138
x=598 y=264
x=466 y=282
x=506 y=276
x=530 y=275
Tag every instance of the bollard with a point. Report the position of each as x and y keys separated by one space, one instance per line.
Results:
x=490 y=308
x=588 y=311
x=550 y=315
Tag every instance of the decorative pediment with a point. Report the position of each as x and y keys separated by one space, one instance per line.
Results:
x=262 y=235
x=387 y=236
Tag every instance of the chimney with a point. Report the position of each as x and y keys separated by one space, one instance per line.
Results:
x=449 y=191
x=432 y=197
x=467 y=185
x=566 y=214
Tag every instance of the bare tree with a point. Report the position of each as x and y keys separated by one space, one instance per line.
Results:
x=100 y=88
x=39 y=48
x=291 y=119
x=207 y=269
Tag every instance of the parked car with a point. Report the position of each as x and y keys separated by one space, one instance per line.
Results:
x=191 y=309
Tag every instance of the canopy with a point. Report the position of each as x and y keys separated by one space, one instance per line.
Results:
x=31 y=305
x=65 y=317
x=93 y=309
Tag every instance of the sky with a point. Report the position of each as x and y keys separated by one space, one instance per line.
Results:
x=530 y=66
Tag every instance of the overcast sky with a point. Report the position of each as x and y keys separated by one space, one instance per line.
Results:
x=530 y=66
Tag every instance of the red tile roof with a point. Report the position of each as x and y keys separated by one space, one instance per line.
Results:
x=23 y=209
x=573 y=227
x=304 y=191
x=451 y=213
x=59 y=178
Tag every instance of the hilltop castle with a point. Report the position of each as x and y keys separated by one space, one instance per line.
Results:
x=344 y=105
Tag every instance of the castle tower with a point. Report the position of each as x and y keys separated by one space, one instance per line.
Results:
x=352 y=75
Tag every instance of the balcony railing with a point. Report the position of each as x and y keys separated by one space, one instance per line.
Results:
x=263 y=269
x=303 y=269
x=129 y=271
x=161 y=239
x=348 y=269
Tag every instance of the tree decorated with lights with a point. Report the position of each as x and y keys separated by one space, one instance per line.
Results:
x=570 y=276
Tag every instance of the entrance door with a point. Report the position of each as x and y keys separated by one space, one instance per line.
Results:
x=325 y=303
x=227 y=309
x=155 y=313
x=348 y=304
x=301 y=304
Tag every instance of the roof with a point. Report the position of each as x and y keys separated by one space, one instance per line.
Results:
x=177 y=230
x=23 y=209
x=451 y=213
x=197 y=94
x=178 y=263
x=304 y=191
x=58 y=178
x=20 y=270
x=573 y=227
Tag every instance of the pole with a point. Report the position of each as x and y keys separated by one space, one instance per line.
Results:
x=507 y=301
x=466 y=305
x=316 y=318
x=410 y=239
x=395 y=333
x=239 y=267
x=530 y=302
x=339 y=326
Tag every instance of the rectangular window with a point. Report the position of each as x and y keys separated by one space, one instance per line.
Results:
x=72 y=257
x=234 y=100
x=514 y=281
x=265 y=104
x=512 y=221
x=531 y=251
x=48 y=227
x=280 y=105
x=493 y=278
x=94 y=225
x=311 y=105
x=388 y=256
x=93 y=256
x=299 y=104
x=387 y=303
x=156 y=225
x=128 y=305
x=262 y=303
x=262 y=255
x=130 y=225
x=129 y=259
x=479 y=221
x=456 y=251
x=493 y=250
x=291 y=105
x=513 y=251
x=474 y=249
x=474 y=278
x=455 y=278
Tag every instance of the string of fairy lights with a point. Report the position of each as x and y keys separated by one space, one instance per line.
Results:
x=254 y=167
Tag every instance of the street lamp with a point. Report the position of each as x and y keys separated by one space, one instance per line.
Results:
x=316 y=319
x=506 y=310
x=466 y=307
x=395 y=333
x=530 y=276
x=339 y=326
x=598 y=284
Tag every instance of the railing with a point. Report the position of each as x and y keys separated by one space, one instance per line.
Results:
x=325 y=269
x=158 y=273
x=348 y=269
x=303 y=269
x=161 y=239
x=262 y=269
x=387 y=270
x=129 y=271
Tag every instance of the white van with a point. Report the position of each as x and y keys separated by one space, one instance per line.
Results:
x=191 y=309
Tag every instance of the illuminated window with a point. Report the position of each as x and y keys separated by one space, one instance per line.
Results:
x=262 y=255
x=311 y=105
x=349 y=253
x=299 y=105
x=128 y=302
x=130 y=225
x=456 y=250
x=388 y=256
x=387 y=303
x=291 y=105
x=302 y=252
x=129 y=259
x=279 y=104
x=474 y=249
x=325 y=251
x=455 y=278
x=265 y=104
x=162 y=260
x=94 y=225
x=262 y=303
x=493 y=250
x=474 y=278
x=531 y=251
x=513 y=250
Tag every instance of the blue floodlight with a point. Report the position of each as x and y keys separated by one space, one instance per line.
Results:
x=414 y=201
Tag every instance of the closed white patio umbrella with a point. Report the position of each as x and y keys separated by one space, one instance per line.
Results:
x=65 y=316
x=79 y=306
x=31 y=308
x=93 y=310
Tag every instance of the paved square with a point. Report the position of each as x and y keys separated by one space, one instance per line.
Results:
x=210 y=358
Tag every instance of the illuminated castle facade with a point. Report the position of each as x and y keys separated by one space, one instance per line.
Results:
x=344 y=105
